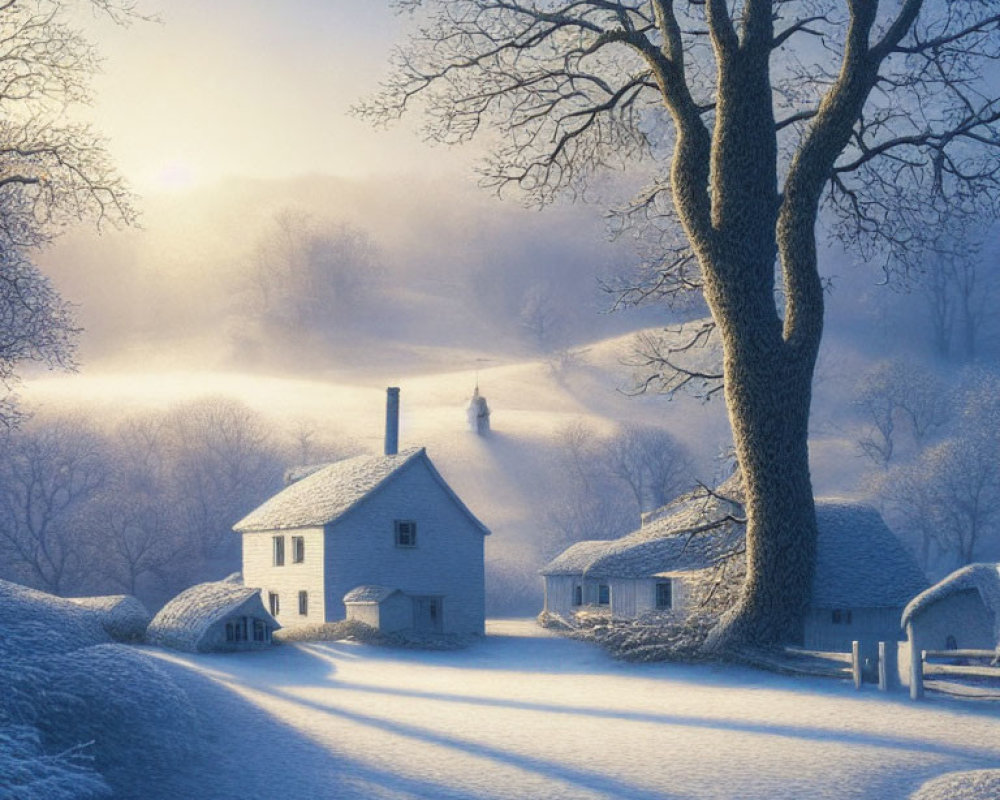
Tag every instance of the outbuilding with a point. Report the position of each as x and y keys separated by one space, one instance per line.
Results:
x=220 y=615
x=385 y=609
x=962 y=611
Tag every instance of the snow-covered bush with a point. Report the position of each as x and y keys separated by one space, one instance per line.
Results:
x=354 y=631
x=27 y=772
x=140 y=722
x=123 y=617
x=973 y=785
x=78 y=714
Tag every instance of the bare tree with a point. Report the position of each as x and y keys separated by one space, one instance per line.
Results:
x=877 y=109
x=652 y=463
x=310 y=276
x=53 y=171
x=35 y=325
x=223 y=462
x=48 y=473
x=899 y=394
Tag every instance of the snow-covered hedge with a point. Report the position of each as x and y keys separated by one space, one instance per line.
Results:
x=77 y=714
x=123 y=617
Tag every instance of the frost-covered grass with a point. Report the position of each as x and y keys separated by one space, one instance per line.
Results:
x=80 y=717
x=526 y=714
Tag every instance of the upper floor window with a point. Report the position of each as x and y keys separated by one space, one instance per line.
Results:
x=278 y=550
x=406 y=533
x=298 y=549
x=664 y=597
x=273 y=603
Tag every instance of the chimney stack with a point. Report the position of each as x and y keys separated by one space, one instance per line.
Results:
x=392 y=421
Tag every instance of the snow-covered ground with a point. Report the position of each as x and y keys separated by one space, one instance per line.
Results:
x=525 y=714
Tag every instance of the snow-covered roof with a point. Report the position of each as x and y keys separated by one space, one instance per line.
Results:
x=183 y=621
x=368 y=594
x=859 y=562
x=672 y=539
x=330 y=492
x=123 y=616
x=983 y=578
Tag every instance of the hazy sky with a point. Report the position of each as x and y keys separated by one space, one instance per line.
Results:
x=251 y=87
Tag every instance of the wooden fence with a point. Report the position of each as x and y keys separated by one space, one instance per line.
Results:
x=923 y=667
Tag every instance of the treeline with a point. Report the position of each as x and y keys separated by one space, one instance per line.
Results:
x=934 y=439
x=143 y=505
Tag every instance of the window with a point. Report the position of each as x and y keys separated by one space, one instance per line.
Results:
x=406 y=533
x=230 y=632
x=841 y=617
x=578 y=595
x=603 y=594
x=259 y=631
x=236 y=630
x=298 y=549
x=303 y=603
x=664 y=597
x=279 y=550
x=273 y=603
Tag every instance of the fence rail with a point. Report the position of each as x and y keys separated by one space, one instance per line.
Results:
x=922 y=667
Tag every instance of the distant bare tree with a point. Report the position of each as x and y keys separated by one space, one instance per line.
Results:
x=133 y=524
x=960 y=289
x=48 y=473
x=540 y=317
x=308 y=276
x=899 y=393
x=652 y=463
x=223 y=461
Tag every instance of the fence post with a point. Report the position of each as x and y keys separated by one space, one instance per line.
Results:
x=888 y=666
x=856 y=663
x=916 y=664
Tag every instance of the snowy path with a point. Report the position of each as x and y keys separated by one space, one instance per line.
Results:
x=527 y=715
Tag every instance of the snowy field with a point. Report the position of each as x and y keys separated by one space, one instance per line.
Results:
x=525 y=714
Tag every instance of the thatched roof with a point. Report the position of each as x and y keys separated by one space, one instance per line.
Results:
x=859 y=562
x=982 y=578
x=326 y=495
x=123 y=616
x=182 y=622
x=368 y=594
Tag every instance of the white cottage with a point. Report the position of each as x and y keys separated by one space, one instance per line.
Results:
x=962 y=611
x=864 y=576
x=384 y=521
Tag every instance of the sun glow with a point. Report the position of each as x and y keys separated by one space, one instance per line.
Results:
x=173 y=176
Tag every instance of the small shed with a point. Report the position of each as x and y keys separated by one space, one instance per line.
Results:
x=123 y=617
x=219 y=615
x=962 y=611
x=383 y=608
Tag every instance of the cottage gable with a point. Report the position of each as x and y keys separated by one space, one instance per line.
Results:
x=326 y=495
